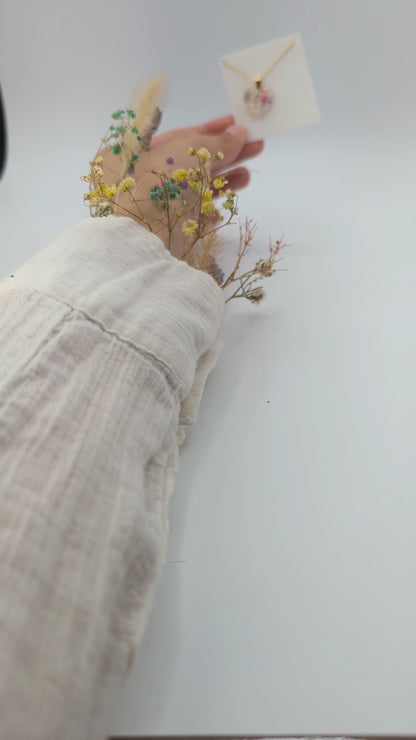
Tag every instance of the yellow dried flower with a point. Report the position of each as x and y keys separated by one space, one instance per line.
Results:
x=86 y=178
x=127 y=184
x=219 y=182
x=219 y=155
x=98 y=160
x=97 y=171
x=203 y=154
x=265 y=268
x=191 y=172
x=208 y=208
x=92 y=197
x=109 y=192
x=256 y=295
x=207 y=205
x=180 y=175
x=228 y=204
x=189 y=227
x=191 y=151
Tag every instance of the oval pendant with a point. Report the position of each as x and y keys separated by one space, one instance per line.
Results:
x=258 y=100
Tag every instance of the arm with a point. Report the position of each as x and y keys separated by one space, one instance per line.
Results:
x=106 y=343
x=98 y=354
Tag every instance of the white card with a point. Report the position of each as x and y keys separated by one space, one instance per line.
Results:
x=288 y=83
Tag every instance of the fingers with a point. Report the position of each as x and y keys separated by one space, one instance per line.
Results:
x=221 y=125
x=235 y=147
x=214 y=126
x=219 y=134
x=238 y=178
x=252 y=149
x=231 y=143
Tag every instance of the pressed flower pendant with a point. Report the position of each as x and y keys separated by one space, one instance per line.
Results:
x=258 y=99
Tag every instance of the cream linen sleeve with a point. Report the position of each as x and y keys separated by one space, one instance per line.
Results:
x=106 y=342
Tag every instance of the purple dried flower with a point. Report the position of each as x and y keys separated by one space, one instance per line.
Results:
x=170 y=160
x=184 y=185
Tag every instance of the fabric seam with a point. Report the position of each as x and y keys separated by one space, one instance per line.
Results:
x=165 y=369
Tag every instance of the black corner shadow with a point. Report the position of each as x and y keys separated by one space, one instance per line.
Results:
x=3 y=136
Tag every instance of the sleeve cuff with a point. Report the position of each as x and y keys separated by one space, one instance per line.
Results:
x=121 y=276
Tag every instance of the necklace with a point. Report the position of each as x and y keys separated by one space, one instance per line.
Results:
x=257 y=97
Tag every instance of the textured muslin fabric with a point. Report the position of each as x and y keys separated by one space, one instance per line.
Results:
x=106 y=342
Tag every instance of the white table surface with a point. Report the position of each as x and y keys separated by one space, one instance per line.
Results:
x=295 y=505
x=292 y=608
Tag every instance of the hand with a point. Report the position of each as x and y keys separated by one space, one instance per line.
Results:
x=219 y=134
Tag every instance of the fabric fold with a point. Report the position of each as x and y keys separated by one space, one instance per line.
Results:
x=121 y=276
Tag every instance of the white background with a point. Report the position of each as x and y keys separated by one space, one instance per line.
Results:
x=294 y=508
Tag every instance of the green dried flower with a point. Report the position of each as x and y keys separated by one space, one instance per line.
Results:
x=156 y=193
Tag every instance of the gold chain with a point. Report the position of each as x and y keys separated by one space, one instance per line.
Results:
x=269 y=69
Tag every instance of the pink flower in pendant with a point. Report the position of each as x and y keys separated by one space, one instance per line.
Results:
x=265 y=97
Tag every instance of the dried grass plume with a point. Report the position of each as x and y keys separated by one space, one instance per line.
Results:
x=146 y=102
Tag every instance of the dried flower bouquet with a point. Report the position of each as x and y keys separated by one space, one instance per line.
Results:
x=188 y=200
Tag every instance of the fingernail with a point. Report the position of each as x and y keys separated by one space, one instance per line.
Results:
x=240 y=132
